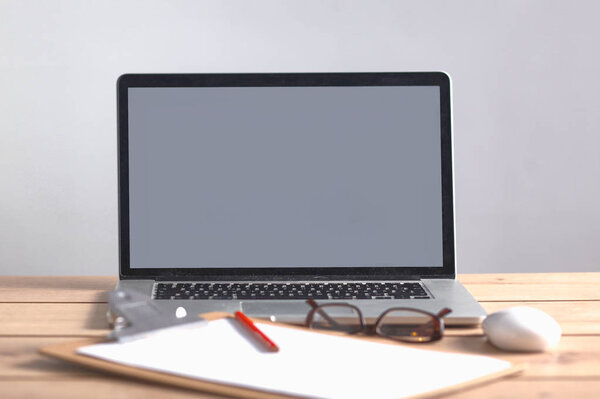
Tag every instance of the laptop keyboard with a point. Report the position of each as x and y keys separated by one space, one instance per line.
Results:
x=366 y=290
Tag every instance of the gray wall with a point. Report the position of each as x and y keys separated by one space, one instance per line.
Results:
x=526 y=111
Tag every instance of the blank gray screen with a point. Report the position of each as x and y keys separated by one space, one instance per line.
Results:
x=285 y=177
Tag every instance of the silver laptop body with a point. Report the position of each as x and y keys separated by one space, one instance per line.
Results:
x=331 y=181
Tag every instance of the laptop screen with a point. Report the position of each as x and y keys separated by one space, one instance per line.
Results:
x=284 y=177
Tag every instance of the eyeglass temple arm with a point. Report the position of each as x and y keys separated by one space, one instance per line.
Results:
x=324 y=315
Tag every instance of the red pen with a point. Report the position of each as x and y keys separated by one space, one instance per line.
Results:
x=249 y=325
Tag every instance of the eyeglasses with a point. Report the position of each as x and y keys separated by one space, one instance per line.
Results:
x=401 y=324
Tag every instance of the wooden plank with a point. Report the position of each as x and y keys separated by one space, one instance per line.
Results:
x=89 y=319
x=523 y=388
x=576 y=356
x=55 y=288
x=101 y=386
x=53 y=319
x=533 y=286
x=531 y=278
x=113 y=387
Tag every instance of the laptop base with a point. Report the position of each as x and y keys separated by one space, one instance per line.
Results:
x=466 y=311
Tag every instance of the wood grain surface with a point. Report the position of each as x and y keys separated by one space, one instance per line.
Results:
x=42 y=311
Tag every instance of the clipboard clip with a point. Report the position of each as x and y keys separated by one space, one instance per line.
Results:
x=133 y=315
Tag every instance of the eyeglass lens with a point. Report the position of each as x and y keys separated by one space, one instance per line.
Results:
x=407 y=325
x=336 y=317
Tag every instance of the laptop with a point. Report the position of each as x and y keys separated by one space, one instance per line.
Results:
x=256 y=192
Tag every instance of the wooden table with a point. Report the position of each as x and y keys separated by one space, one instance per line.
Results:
x=39 y=311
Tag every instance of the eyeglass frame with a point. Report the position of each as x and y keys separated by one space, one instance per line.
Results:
x=438 y=322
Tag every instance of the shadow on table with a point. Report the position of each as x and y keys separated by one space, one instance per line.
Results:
x=96 y=317
x=50 y=367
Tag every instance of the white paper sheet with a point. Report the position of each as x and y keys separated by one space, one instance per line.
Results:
x=308 y=364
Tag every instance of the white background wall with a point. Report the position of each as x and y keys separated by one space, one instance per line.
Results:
x=526 y=80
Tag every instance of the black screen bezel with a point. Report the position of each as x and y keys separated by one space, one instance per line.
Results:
x=440 y=79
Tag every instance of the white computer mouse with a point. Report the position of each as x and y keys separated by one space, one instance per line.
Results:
x=522 y=329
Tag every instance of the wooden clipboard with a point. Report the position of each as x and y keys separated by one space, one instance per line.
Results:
x=68 y=352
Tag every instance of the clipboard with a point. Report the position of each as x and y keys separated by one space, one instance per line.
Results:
x=68 y=352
